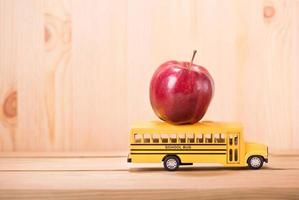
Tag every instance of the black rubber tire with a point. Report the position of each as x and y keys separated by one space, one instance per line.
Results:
x=250 y=164
x=173 y=158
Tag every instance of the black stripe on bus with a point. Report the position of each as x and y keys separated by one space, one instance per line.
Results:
x=179 y=153
x=178 y=149
x=174 y=144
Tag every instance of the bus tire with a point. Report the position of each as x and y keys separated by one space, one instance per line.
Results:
x=171 y=163
x=255 y=162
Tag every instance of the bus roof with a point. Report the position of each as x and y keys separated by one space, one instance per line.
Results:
x=204 y=125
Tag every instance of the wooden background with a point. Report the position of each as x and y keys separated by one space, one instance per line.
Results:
x=74 y=74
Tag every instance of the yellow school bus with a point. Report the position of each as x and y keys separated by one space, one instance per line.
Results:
x=203 y=142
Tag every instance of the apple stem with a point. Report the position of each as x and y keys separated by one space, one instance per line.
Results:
x=191 y=63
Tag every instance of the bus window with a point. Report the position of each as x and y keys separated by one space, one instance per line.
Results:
x=208 y=138
x=222 y=138
x=190 y=138
x=230 y=140
x=137 y=138
x=146 y=138
x=182 y=138
x=173 y=138
x=164 y=138
x=219 y=138
x=216 y=138
x=230 y=155
x=199 y=138
x=156 y=138
x=236 y=140
x=236 y=154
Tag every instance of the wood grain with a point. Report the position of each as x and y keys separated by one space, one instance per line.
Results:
x=113 y=178
x=8 y=80
x=32 y=132
x=99 y=82
x=58 y=72
x=180 y=194
x=268 y=54
x=75 y=74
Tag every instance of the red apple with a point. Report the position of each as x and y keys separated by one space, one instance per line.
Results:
x=180 y=92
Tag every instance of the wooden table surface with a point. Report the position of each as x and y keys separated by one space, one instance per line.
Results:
x=110 y=177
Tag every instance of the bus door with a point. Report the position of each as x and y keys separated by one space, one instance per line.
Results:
x=233 y=150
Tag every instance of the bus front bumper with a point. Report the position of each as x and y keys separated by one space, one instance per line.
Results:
x=266 y=160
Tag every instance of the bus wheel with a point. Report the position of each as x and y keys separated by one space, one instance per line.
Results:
x=171 y=163
x=255 y=162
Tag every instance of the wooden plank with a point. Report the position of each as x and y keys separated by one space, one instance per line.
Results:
x=107 y=163
x=8 y=80
x=65 y=154
x=58 y=73
x=180 y=194
x=100 y=163
x=113 y=162
x=113 y=178
x=99 y=82
x=267 y=48
x=75 y=74
x=43 y=69
x=294 y=46
x=32 y=133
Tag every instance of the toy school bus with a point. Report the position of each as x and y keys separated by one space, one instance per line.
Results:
x=203 y=142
